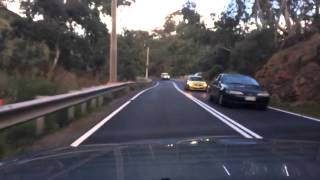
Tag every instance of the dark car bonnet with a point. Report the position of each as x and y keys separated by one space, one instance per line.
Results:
x=198 y=158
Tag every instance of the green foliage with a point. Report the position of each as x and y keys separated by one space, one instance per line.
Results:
x=132 y=47
x=218 y=55
x=195 y=48
x=229 y=46
x=4 y=24
x=174 y=55
x=21 y=56
x=250 y=54
x=25 y=88
x=226 y=31
x=180 y=48
x=4 y=80
x=179 y=54
x=213 y=72
x=13 y=140
x=59 y=29
x=4 y=30
x=86 y=53
x=190 y=16
x=7 y=15
x=29 y=47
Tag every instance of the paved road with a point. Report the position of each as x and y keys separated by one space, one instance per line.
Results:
x=166 y=111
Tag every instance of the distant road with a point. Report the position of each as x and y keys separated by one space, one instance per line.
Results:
x=167 y=111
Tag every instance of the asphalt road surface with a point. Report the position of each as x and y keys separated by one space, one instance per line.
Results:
x=167 y=111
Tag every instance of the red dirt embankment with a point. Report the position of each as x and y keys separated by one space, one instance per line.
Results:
x=293 y=74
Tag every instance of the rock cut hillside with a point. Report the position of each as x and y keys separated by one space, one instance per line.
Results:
x=293 y=74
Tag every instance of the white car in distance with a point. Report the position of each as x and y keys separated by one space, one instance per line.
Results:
x=165 y=76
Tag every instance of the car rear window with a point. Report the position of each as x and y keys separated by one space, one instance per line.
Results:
x=196 y=78
x=238 y=79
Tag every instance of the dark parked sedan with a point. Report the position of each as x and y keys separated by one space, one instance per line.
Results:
x=237 y=89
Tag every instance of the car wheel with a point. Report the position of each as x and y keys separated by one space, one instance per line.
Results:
x=221 y=100
x=262 y=107
x=186 y=88
x=211 y=98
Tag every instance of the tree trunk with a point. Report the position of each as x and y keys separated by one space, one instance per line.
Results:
x=55 y=62
x=317 y=3
x=256 y=10
x=316 y=22
x=259 y=27
x=286 y=15
x=277 y=26
x=259 y=14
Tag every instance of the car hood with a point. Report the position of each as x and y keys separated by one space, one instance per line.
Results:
x=196 y=158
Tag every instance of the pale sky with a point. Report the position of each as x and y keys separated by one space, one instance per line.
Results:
x=150 y=14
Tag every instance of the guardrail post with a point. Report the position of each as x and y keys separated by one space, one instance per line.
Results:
x=93 y=103
x=107 y=98
x=100 y=100
x=39 y=125
x=71 y=113
x=84 y=108
x=128 y=89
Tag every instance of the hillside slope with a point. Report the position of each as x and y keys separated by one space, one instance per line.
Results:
x=293 y=74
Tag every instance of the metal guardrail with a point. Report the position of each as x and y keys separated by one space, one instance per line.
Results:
x=11 y=115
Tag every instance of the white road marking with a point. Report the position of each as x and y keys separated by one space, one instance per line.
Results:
x=135 y=97
x=286 y=170
x=245 y=132
x=85 y=136
x=226 y=170
x=295 y=114
x=255 y=135
x=98 y=126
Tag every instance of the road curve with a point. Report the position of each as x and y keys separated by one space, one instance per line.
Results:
x=166 y=111
x=161 y=112
x=270 y=124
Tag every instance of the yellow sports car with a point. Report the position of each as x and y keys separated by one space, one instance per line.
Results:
x=196 y=83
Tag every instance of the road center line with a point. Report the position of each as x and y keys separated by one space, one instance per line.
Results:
x=85 y=136
x=255 y=135
x=228 y=121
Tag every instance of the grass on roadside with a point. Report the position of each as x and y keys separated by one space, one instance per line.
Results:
x=312 y=110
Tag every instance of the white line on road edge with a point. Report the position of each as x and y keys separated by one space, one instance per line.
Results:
x=228 y=121
x=97 y=126
x=295 y=114
x=85 y=136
